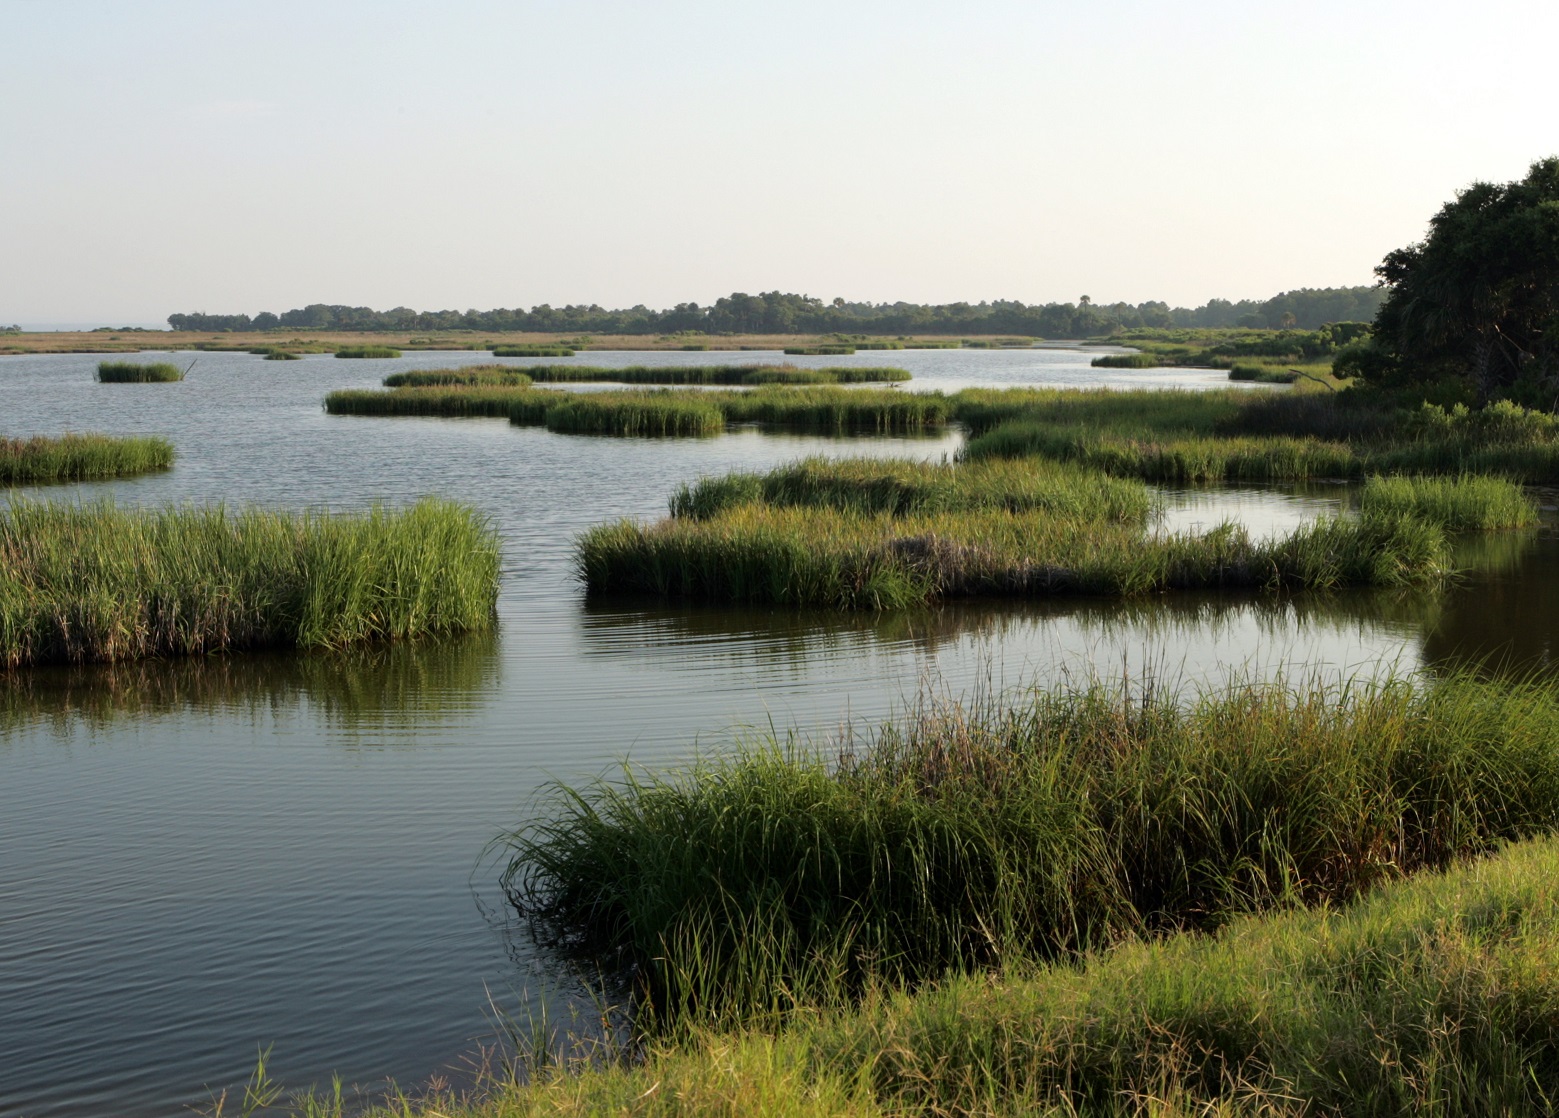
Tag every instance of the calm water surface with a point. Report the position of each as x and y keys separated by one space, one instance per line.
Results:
x=200 y=858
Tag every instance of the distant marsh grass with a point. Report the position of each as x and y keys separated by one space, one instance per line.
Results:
x=779 y=876
x=367 y=351
x=1126 y=361
x=901 y=488
x=135 y=372
x=715 y=374
x=281 y=355
x=95 y=582
x=73 y=457
x=532 y=351
x=820 y=350
x=452 y=400
x=474 y=375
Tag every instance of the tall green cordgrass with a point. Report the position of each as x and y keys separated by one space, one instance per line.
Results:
x=819 y=350
x=833 y=558
x=967 y=839
x=81 y=583
x=717 y=374
x=281 y=355
x=477 y=399
x=901 y=488
x=1457 y=504
x=1430 y=996
x=136 y=372
x=831 y=410
x=482 y=375
x=633 y=414
x=368 y=351
x=1126 y=361
x=1174 y=460
x=532 y=351
x=72 y=457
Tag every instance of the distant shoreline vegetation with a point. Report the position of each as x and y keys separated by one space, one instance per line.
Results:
x=775 y=312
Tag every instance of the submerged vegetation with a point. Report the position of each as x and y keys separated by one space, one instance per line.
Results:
x=137 y=372
x=82 y=583
x=72 y=457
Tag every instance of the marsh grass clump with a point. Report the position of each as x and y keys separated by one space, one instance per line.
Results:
x=281 y=355
x=72 y=457
x=904 y=488
x=819 y=350
x=826 y=409
x=453 y=401
x=84 y=583
x=137 y=372
x=1457 y=504
x=1126 y=361
x=632 y=414
x=487 y=376
x=833 y=558
x=1263 y=374
x=532 y=351
x=729 y=375
x=1173 y=460
x=368 y=351
x=968 y=839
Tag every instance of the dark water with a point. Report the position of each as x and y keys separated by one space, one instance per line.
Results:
x=200 y=858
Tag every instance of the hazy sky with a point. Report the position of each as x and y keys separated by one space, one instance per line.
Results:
x=177 y=156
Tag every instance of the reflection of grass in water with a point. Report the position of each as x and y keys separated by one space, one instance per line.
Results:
x=401 y=684
x=797 y=638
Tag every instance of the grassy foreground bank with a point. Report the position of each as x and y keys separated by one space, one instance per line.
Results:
x=80 y=457
x=782 y=877
x=1434 y=996
x=82 y=583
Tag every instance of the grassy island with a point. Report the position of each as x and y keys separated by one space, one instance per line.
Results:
x=81 y=457
x=368 y=351
x=82 y=583
x=138 y=372
x=886 y=535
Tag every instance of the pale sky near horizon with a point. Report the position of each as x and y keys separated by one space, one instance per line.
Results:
x=174 y=155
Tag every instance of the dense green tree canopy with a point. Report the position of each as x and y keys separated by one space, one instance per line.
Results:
x=775 y=312
x=1479 y=297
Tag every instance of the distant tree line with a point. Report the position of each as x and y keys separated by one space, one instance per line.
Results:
x=775 y=312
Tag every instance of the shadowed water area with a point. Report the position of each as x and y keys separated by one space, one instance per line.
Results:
x=205 y=857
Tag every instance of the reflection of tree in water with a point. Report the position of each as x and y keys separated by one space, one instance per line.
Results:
x=794 y=638
x=1506 y=619
x=387 y=685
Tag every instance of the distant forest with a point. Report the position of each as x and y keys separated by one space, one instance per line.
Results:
x=775 y=312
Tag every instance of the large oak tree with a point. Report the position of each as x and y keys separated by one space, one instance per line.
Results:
x=1479 y=297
